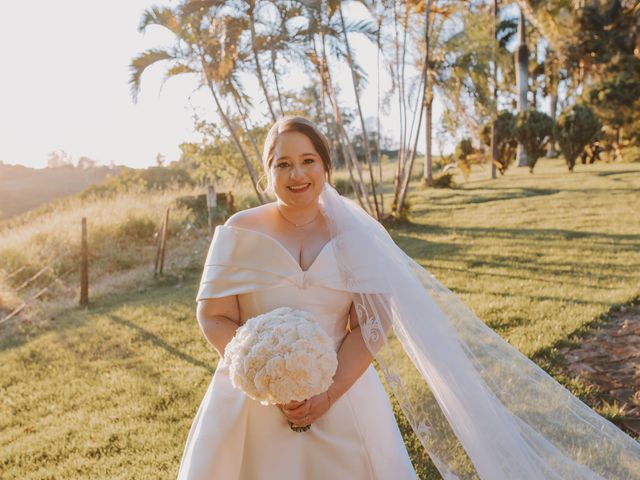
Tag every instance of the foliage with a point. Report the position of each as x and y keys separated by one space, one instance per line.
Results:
x=616 y=98
x=575 y=129
x=197 y=206
x=464 y=155
x=506 y=142
x=533 y=129
x=136 y=228
x=444 y=180
x=605 y=50
x=343 y=186
x=140 y=180
x=631 y=154
x=464 y=77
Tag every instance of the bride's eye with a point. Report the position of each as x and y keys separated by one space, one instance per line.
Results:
x=282 y=165
x=309 y=160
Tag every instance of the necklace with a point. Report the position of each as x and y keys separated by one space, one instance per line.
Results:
x=295 y=224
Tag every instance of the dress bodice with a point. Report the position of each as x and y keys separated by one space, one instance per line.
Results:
x=265 y=276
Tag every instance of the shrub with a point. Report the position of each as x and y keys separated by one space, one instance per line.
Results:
x=463 y=155
x=507 y=144
x=136 y=228
x=343 y=186
x=533 y=130
x=577 y=127
x=444 y=180
x=631 y=154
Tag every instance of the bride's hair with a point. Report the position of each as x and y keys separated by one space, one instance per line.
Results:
x=291 y=123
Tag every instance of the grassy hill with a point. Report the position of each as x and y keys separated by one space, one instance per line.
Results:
x=23 y=188
x=110 y=392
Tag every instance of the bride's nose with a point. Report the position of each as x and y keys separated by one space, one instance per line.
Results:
x=297 y=171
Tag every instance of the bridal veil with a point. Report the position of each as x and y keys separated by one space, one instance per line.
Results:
x=480 y=408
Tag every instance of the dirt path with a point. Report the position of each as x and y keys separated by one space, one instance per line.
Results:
x=610 y=360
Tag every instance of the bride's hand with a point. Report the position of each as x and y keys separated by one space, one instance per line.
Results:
x=308 y=411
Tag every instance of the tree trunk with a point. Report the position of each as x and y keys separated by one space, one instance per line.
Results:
x=275 y=78
x=428 y=100
x=245 y=123
x=379 y=140
x=247 y=162
x=257 y=60
x=522 y=81
x=365 y=137
x=553 y=104
x=349 y=154
x=494 y=145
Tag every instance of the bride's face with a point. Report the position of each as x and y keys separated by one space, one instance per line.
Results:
x=297 y=172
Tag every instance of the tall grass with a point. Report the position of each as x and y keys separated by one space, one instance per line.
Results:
x=122 y=234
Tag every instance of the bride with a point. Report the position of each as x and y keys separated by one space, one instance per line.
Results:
x=479 y=407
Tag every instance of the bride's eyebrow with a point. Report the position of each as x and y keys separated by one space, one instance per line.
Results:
x=302 y=155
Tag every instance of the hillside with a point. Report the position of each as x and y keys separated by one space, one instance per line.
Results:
x=23 y=188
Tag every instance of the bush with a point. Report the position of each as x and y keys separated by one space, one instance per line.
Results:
x=507 y=145
x=533 y=130
x=343 y=186
x=577 y=127
x=139 y=180
x=136 y=228
x=631 y=154
x=197 y=207
x=444 y=180
x=463 y=155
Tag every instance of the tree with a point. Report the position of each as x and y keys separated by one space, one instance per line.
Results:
x=85 y=163
x=577 y=127
x=606 y=55
x=59 y=159
x=466 y=80
x=207 y=43
x=533 y=130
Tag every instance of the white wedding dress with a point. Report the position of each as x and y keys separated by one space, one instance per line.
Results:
x=235 y=437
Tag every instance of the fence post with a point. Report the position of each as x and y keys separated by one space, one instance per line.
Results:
x=211 y=206
x=84 y=265
x=158 y=242
x=163 y=240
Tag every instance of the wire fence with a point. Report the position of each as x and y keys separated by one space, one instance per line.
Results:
x=46 y=282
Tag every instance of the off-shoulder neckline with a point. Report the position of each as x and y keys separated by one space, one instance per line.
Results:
x=281 y=246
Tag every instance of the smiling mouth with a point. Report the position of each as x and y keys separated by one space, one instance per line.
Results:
x=299 y=188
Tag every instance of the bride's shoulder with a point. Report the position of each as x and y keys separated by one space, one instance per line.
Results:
x=251 y=218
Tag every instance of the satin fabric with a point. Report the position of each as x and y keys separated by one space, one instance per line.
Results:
x=235 y=437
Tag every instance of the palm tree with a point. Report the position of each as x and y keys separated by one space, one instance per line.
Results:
x=207 y=44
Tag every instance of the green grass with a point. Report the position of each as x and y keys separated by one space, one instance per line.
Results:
x=110 y=392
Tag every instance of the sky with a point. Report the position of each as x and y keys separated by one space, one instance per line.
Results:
x=65 y=86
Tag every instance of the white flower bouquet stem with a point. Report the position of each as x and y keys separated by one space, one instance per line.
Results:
x=281 y=356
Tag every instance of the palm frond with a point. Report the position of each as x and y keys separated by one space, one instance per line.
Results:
x=198 y=6
x=174 y=70
x=140 y=63
x=163 y=17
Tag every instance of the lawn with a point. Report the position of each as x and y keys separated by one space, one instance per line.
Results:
x=110 y=392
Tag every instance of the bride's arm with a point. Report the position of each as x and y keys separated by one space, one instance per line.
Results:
x=354 y=356
x=219 y=319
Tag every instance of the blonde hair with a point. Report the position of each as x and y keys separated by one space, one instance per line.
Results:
x=292 y=123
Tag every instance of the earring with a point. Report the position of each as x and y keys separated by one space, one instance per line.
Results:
x=259 y=187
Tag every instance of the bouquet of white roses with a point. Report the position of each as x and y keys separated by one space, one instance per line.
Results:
x=281 y=356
